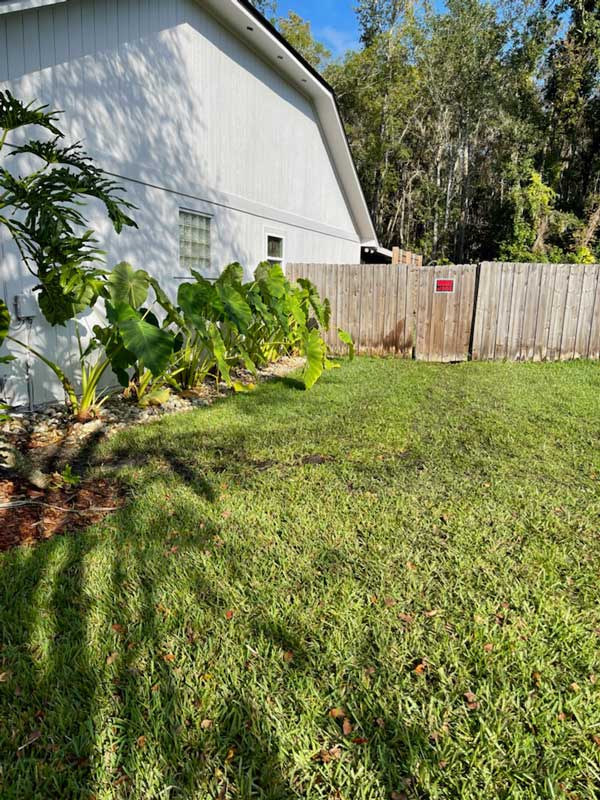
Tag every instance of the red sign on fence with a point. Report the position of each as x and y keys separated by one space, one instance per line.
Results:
x=444 y=286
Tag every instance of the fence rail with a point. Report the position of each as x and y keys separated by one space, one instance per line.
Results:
x=490 y=311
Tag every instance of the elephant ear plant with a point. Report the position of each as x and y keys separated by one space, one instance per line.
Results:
x=42 y=211
x=235 y=323
x=134 y=339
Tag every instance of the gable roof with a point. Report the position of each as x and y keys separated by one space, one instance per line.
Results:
x=258 y=34
x=6 y=6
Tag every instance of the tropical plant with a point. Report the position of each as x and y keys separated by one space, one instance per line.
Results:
x=42 y=212
x=134 y=339
x=235 y=323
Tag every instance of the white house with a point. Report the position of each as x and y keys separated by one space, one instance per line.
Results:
x=230 y=145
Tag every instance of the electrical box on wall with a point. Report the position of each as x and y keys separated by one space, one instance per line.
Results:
x=25 y=306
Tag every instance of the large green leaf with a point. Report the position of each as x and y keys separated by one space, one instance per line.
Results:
x=127 y=285
x=235 y=308
x=232 y=274
x=271 y=279
x=315 y=350
x=173 y=317
x=199 y=301
x=151 y=345
x=321 y=308
x=348 y=340
x=4 y=321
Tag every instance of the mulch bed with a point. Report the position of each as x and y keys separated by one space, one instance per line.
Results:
x=28 y=515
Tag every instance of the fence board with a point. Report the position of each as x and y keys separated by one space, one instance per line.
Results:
x=586 y=310
x=530 y=312
x=557 y=316
x=572 y=309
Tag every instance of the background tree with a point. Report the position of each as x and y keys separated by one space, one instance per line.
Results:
x=298 y=33
x=266 y=7
x=476 y=130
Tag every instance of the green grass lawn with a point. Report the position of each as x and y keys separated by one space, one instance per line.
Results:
x=415 y=544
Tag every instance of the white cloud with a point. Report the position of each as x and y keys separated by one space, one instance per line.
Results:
x=337 y=40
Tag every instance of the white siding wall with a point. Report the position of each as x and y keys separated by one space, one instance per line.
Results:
x=187 y=116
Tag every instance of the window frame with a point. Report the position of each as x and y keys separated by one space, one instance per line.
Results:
x=274 y=234
x=206 y=266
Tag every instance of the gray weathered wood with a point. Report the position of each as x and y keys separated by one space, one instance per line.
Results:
x=523 y=311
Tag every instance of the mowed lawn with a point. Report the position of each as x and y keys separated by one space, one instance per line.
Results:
x=387 y=587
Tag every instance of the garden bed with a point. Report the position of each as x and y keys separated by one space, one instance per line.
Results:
x=29 y=516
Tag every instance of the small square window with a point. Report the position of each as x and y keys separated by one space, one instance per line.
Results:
x=275 y=249
x=194 y=241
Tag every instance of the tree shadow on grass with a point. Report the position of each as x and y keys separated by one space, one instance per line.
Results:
x=99 y=699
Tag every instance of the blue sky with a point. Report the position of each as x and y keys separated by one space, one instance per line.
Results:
x=333 y=21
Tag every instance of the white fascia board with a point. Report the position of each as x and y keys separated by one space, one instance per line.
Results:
x=260 y=39
x=26 y=5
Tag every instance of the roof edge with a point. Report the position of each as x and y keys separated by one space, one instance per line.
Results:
x=25 y=5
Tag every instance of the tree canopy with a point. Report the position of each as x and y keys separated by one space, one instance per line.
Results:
x=476 y=129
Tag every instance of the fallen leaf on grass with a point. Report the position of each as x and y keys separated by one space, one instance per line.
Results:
x=226 y=514
x=156 y=688
x=325 y=756
x=488 y=647
x=537 y=678
x=389 y=602
x=169 y=657
x=370 y=671
x=596 y=740
x=420 y=668
x=347 y=727
x=206 y=724
x=433 y=613
x=471 y=699
x=380 y=723
x=5 y=677
x=337 y=713
x=231 y=753
x=117 y=628
x=229 y=615
x=574 y=687
x=360 y=740
x=141 y=742
x=288 y=656
x=112 y=658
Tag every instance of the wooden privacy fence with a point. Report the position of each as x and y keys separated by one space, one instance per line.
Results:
x=453 y=313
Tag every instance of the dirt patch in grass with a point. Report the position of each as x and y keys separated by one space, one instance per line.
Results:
x=29 y=515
